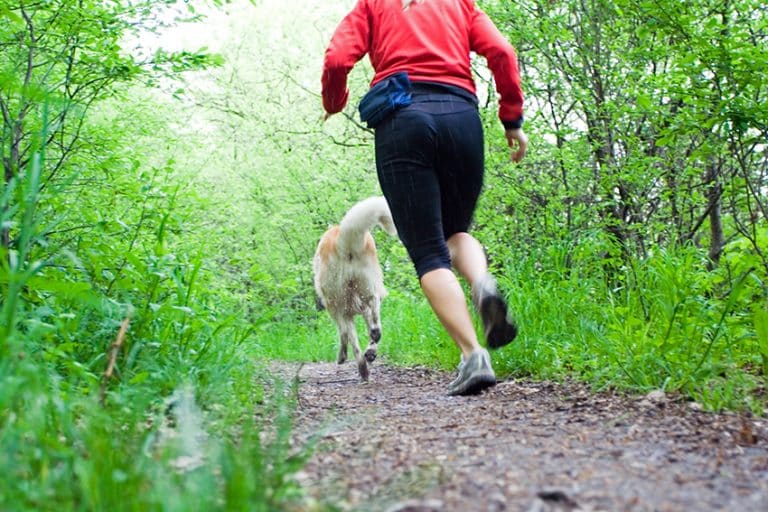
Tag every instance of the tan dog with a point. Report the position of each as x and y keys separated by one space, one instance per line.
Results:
x=348 y=279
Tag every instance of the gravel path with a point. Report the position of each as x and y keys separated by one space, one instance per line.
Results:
x=398 y=443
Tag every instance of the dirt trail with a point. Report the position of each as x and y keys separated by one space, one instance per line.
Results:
x=399 y=444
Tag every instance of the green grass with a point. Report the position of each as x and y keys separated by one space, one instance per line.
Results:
x=411 y=335
x=667 y=323
x=188 y=420
x=65 y=452
x=664 y=324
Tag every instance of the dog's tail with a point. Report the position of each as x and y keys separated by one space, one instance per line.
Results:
x=360 y=219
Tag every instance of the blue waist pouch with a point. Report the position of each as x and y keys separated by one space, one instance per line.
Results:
x=384 y=98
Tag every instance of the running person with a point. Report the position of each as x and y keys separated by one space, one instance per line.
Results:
x=430 y=153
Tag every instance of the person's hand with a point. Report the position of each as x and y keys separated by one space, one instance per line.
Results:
x=518 y=141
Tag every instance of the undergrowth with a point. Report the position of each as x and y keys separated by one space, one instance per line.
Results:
x=127 y=375
x=664 y=323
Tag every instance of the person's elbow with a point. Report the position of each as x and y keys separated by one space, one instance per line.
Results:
x=334 y=92
x=336 y=61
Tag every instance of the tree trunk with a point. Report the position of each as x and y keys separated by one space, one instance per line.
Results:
x=5 y=232
x=714 y=192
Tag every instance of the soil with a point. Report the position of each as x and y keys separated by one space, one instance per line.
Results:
x=398 y=443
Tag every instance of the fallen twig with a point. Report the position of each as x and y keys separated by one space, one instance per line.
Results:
x=114 y=349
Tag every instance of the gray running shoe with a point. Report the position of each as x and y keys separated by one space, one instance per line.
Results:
x=498 y=328
x=458 y=376
x=475 y=374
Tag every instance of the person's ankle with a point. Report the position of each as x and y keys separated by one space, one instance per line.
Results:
x=465 y=354
x=483 y=286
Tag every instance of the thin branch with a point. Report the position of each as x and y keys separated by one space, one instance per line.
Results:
x=114 y=350
x=32 y=41
x=67 y=230
x=6 y=113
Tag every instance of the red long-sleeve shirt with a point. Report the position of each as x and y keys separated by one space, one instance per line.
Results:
x=431 y=41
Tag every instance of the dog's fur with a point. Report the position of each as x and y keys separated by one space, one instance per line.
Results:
x=348 y=279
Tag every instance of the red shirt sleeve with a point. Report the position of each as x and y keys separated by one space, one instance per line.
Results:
x=350 y=42
x=486 y=40
x=430 y=43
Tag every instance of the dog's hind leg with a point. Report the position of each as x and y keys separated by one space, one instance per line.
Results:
x=341 y=325
x=373 y=321
x=348 y=336
x=342 y=357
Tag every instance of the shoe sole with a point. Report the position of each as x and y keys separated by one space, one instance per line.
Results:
x=494 y=314
x=474 y=385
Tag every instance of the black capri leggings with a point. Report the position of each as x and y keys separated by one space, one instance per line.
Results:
x=430 y=162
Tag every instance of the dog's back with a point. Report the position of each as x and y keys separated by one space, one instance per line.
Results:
x=348 y=279
x=341 y=275
x=345 y=264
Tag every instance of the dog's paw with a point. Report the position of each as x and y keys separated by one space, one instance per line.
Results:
x=362 y=367
x=342 y=358
x=370 y=355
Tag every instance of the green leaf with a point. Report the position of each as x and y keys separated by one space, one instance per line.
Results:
x=7 y=13
x=62 y=289
x=139 y=378
x=644 y=101
x=760 y=320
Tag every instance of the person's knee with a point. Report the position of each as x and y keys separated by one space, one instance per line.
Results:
x=457 y=239
x=430 y=263
x=458 y=242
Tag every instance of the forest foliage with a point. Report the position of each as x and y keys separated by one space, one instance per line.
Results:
x=160 y=207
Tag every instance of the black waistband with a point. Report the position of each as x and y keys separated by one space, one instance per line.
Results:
x=420 y=88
